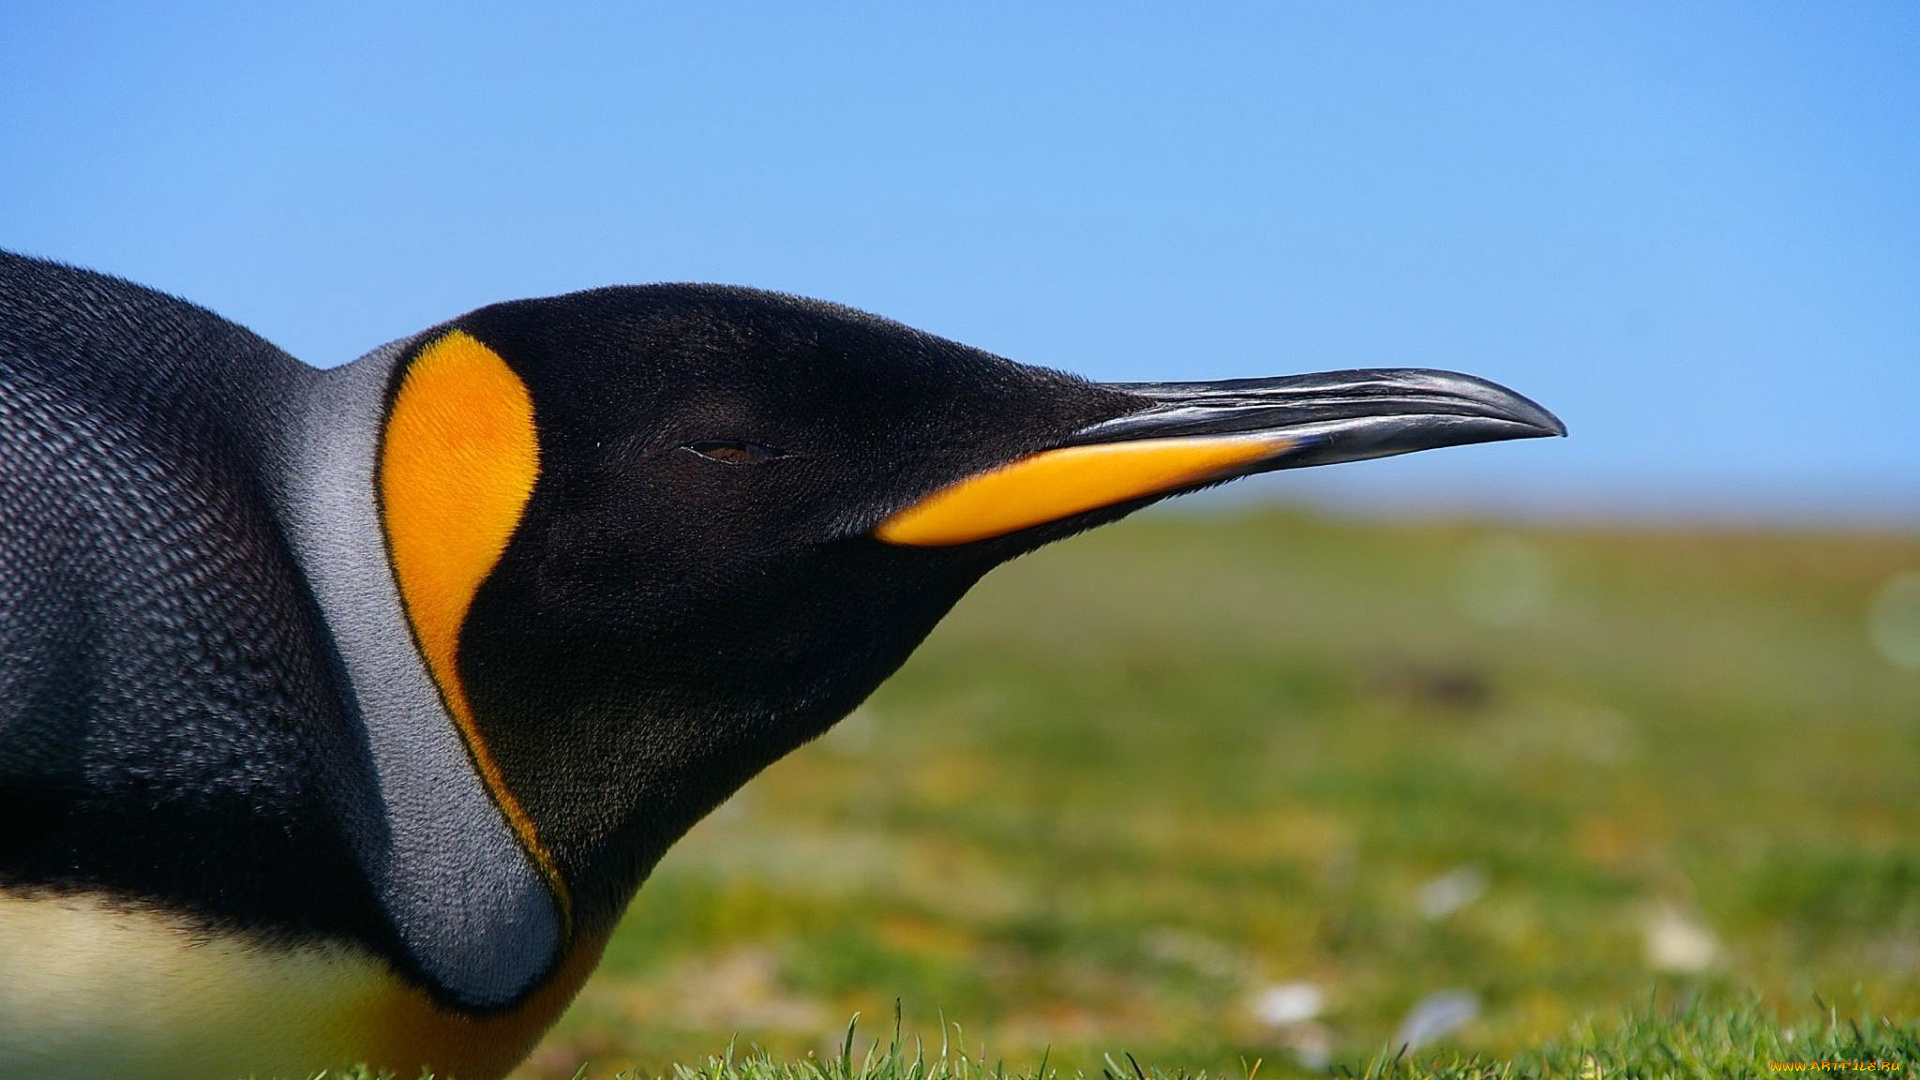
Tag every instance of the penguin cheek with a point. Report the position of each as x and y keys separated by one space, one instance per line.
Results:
x=576 y=558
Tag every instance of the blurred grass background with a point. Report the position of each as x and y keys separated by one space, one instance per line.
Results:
x=1264 y=784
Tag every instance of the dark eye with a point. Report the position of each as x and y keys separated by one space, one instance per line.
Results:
x=735 y=452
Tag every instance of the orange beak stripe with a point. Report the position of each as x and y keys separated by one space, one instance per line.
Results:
x=1055 y=484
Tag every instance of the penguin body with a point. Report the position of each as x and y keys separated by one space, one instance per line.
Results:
x=342 y=712
x=102 y=986
x=215 y=834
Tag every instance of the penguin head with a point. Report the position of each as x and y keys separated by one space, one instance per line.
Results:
x=650 y=539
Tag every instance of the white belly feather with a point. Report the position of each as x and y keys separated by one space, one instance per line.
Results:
x=88 y=990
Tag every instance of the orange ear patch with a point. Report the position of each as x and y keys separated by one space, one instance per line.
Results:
x=458 y=461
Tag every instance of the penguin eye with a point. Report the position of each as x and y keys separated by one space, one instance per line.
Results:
x=734 y=451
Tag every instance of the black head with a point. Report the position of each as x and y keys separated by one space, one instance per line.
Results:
x=694 y=589
x=750 y=508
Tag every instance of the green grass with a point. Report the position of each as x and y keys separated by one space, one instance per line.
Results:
x=1693 y=1040
x=1139 y=778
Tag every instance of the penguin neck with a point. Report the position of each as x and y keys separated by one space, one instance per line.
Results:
x=473 y=913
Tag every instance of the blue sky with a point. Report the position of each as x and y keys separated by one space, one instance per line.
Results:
x=1693 y=230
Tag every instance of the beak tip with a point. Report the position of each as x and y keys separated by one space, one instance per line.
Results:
x=1551 y=426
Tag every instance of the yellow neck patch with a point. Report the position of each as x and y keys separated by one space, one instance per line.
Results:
x=458 y=462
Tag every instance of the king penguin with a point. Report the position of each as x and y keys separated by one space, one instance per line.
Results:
x=343 y=711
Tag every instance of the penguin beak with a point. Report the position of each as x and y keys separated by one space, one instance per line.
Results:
x=1188 y=435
